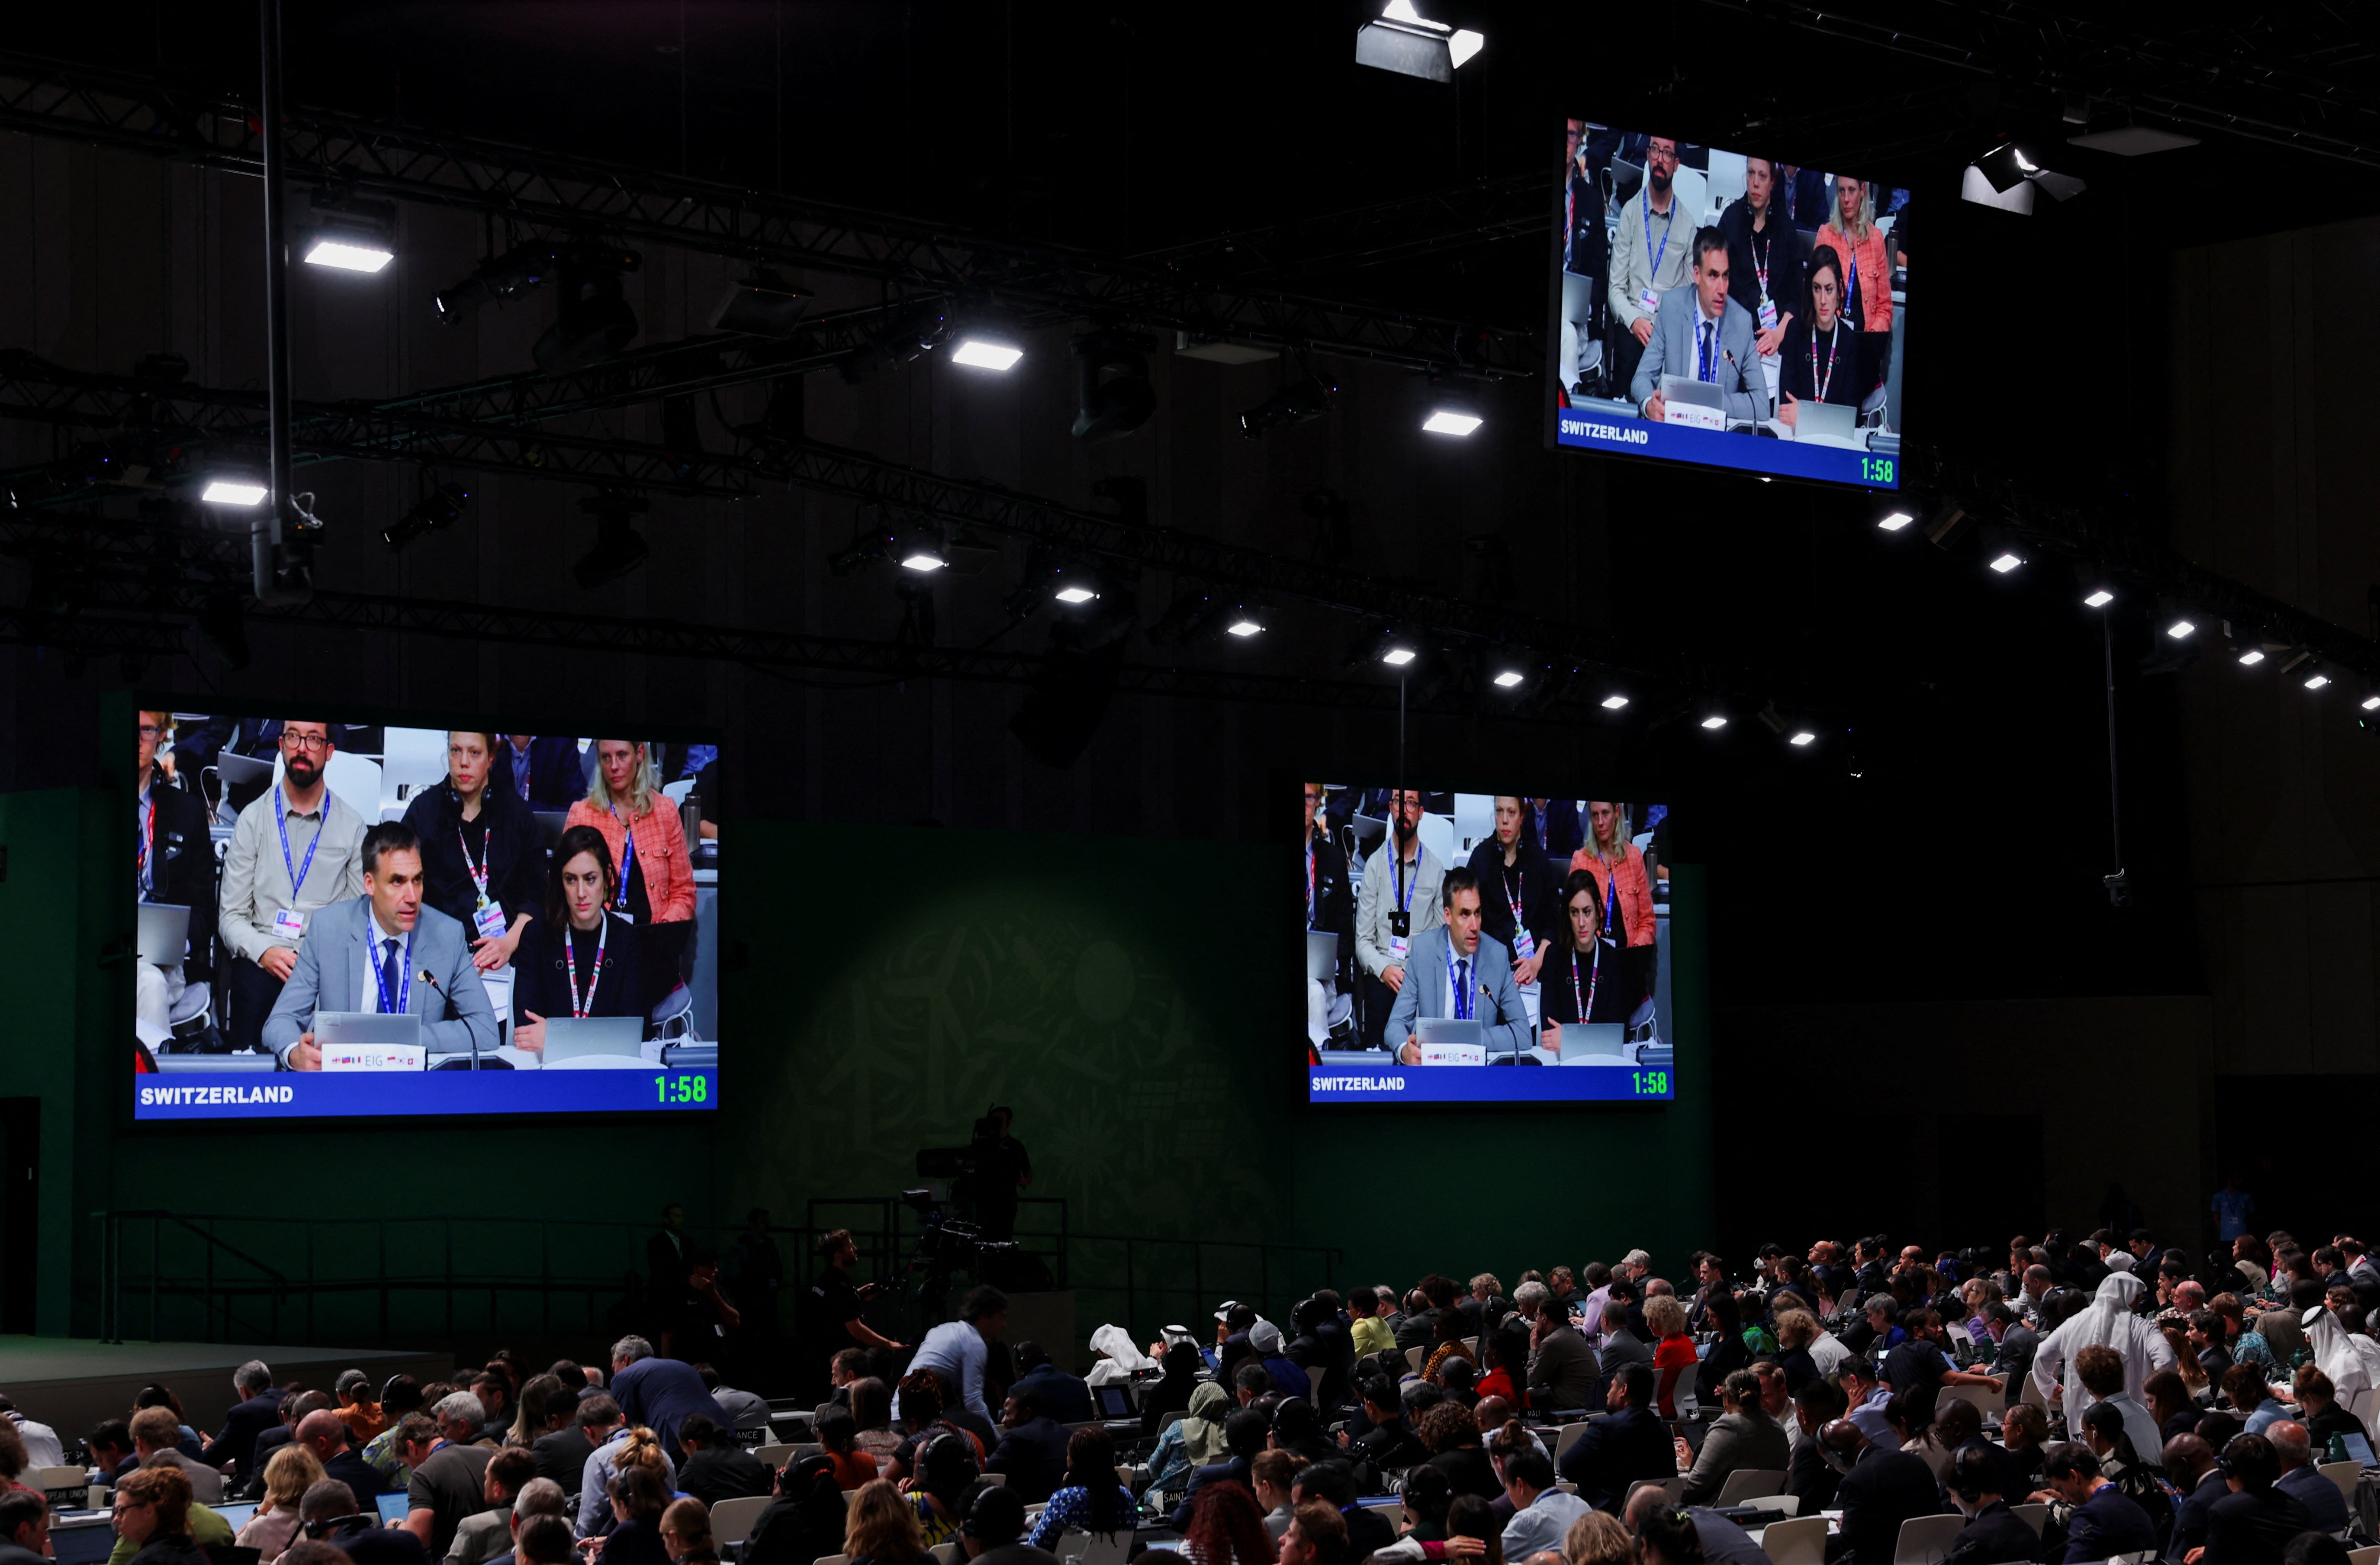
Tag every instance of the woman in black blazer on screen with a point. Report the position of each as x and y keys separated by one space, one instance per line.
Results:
x=1583 y=978
x=578 y=960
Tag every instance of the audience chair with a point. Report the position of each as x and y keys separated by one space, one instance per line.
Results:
x=1925 y=1539
x=2036 y=1516
x=1800 y=1540
x=731 y=1520
x=2346 y=1474
x=1745 y=1482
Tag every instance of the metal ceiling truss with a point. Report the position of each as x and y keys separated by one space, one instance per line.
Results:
x=335 y=154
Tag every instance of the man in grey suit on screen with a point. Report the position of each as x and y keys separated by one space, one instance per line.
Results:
x=369 y=955
x=1702 y=335
x=1458 y=972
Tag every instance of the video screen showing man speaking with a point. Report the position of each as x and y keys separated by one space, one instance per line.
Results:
x=1728 y=309
x=335 y=916
x=1473 y=947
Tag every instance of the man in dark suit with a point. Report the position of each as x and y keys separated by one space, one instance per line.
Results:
x=1809 y=1477
x=1611 y=1453
x=562 y=1456
x=1994 y=1534
x=1064 y=1396
x=1881 y=1490
x=257 y=1410
x=548 y=772
x=293 y=1409
x=661 y=1393
x=716 y=1468
x=1243 y=1435
x=1032 y=1449
x=323 y=1433
x=2253 y=1523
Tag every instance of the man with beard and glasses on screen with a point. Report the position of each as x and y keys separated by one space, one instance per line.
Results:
x=1459 y=972
x=1652 y=253
x=295 y=851
x=1399 y=900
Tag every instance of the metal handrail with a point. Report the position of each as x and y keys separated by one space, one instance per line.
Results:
x=1155 y=1273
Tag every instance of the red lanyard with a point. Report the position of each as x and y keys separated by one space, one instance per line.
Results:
x=570 y=967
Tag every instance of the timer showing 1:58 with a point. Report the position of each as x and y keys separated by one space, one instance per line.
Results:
x=1876 y=469
x=682 y=1091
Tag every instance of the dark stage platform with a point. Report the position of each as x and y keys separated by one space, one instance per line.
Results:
x=71 y=1384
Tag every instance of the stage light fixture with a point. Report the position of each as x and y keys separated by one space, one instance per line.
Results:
x=2180 y=629
x=1894 y=520
x=348 y=235
x=2371 y=701
x=441 y=507
x=1402 y=41
x=1244 y=625
x=619 y=549
x=924 y=558
x=1800 y=737
x=2009 y=166
x=2099 y=600
x=1397 y=657
x=984 y=353
x=1076 y=594
x=2316 y=679
x=2006 y=560
x=763 y=305
x=1300 y=401
x=1510 y=678
x=2251 y=655
x=1113 y=394
x=1451 y=421
x=1715 y=723
x=1614 y=701
x=232 y=492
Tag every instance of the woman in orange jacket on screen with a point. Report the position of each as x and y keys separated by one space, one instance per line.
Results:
x=1610 y=856
x=625 y=803
x=1850 y=232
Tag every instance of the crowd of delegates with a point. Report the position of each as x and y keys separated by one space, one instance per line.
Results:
x=464 y=885
x=1558 y=902
x=1796 y=274
x=2148 y=1404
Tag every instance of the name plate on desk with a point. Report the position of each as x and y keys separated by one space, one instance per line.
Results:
x=375 y=1057
x=1454 y=1054
x=1694 y=416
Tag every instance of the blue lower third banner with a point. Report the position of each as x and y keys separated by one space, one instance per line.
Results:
x=1390 y=1083
x=1590 y=430
x=290 y=1095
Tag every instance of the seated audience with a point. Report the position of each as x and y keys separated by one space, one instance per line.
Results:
x=154 y=1517
x=157 y=1442
x=686 y=1532
x=716 y=1467
x=1995 y=1533
x=1032 y=1449
x=2255 y=1522
x=2302 y=1479
x=1087 y=1498
x=638 y=1497
x=1612 y=1453
x=1744 y=1436
x=804 y=1519
x=1063 y=1396
x=995 y=1520
x=289 y=1475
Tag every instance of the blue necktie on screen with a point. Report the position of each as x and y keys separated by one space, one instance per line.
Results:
x=389 y=973
x=1704 y=332
x=1463 y=991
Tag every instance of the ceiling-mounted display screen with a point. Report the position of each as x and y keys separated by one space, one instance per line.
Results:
x=1728 y=310
x=1477 y=948
x=335 y=918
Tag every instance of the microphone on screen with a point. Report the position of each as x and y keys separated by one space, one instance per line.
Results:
x=431 y=979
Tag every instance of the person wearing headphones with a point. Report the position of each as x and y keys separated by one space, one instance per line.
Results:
x=1994 y=1532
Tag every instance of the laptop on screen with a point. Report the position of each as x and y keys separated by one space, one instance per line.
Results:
x=1321 y=955
x=570 y=1037
x=1828 y=424
x=164 y=933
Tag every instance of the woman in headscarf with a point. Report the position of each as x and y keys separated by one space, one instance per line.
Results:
x=1193 y=1442
x=2107 y=1320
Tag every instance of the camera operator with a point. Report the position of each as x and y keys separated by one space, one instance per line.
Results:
x=830 y=1311
x=1001 y=1168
